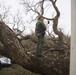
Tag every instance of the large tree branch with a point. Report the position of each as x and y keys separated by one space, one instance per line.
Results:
x=55 y=23
x=18 y=55
x=42 y=8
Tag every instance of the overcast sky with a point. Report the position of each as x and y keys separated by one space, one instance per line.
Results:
x=63 y=5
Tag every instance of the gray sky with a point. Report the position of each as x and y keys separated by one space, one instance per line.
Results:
x=63 y=5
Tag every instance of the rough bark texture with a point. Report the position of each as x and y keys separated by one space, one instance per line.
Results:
x=55 y=24
x=43 y=65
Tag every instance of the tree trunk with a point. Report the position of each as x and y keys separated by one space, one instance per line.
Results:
x=55 y=24
x=15 y=51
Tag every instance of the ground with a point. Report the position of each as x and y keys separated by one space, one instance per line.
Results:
x=15 y=70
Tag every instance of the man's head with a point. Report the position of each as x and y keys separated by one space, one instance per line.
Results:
x=40 y=18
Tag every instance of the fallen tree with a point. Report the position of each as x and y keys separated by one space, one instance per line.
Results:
x=16 y=52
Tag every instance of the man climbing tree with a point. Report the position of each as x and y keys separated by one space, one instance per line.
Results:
x=40 y=32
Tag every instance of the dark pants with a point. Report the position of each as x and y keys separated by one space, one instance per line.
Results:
x=40 y=45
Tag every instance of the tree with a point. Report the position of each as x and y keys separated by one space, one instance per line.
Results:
x=13 y=48
x=39 y=9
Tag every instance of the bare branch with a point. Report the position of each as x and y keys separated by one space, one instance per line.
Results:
x=30 y=7
x=4 y=13
x=41 y=5
x=55 y=24
x=17 y=22
x=56 y=8
x=48 y=18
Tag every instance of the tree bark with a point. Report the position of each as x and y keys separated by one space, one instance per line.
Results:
x=15 y=51
x=55 y=24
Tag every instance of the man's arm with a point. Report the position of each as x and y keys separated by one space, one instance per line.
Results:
x=44 y=27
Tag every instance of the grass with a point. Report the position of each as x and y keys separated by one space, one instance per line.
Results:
x=15 y=70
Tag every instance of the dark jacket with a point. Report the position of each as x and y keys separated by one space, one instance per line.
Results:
x=40 y=28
